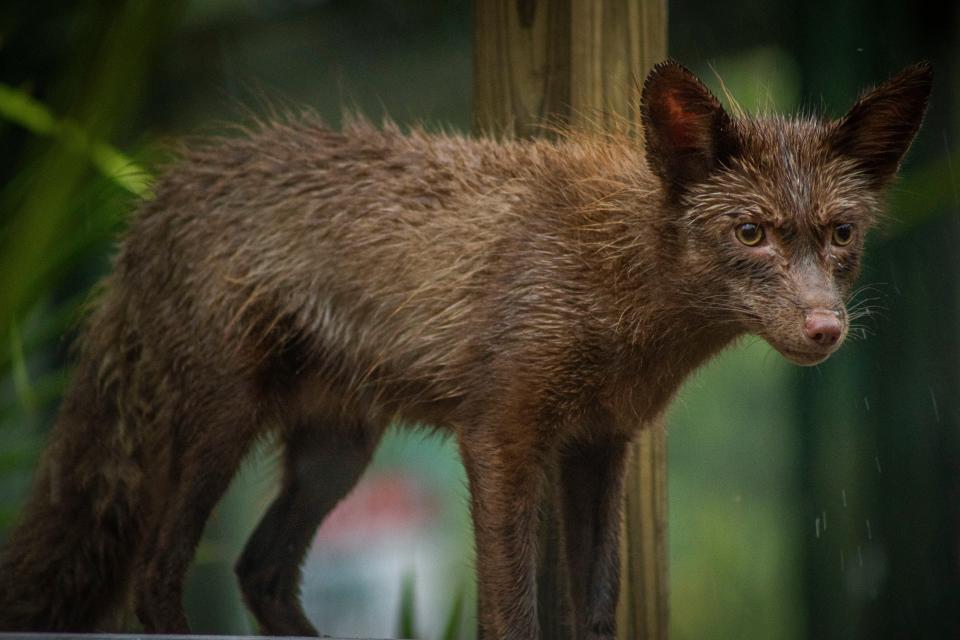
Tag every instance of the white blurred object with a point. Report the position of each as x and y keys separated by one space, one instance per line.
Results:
x=388 y=530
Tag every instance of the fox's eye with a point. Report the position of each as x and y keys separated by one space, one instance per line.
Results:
x=750 y=234
x=842 y=234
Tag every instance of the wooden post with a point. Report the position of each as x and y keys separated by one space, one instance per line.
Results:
x=582 y=62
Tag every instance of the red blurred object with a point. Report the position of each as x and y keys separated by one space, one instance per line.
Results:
x=379 y=506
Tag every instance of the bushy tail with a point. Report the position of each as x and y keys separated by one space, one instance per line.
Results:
x=66 y=563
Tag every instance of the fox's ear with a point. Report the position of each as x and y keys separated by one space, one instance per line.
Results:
x=686 y=130
x=878 y=130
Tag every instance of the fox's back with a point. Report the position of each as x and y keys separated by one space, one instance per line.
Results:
x=361 y=256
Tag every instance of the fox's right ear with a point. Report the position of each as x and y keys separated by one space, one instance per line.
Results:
x=686 y=130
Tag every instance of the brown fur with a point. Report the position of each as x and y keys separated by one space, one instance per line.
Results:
x=540 y=300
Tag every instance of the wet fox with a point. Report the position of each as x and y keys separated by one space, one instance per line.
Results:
x=541 y=301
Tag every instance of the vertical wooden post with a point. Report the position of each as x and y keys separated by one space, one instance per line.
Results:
x=582 y=62
x=643 y=610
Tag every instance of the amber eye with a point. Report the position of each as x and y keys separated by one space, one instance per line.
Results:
x=842 y=234
x=750 y=234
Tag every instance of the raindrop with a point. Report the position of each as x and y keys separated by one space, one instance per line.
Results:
x=816 y=524
x=936 y=409
x=824 y=520
x=877 y=460
x=859 y=555
x=843 y=496
x=893 y=280
x=866 y=402
x=869 y=530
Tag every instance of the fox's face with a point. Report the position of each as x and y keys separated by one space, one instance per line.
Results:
x=771 y=213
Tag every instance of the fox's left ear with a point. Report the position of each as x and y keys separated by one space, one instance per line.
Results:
x=878 y=130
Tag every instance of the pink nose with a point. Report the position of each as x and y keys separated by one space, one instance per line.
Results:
x=823 y=327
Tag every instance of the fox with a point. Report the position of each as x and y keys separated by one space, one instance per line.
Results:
x=540 y=301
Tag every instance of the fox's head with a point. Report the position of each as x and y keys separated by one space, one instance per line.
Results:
x=772 y=212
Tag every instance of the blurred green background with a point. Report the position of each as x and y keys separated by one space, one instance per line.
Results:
x=804 y=503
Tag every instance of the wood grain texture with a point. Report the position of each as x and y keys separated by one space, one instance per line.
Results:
x=613 y=45
x=582 y=62
x=520 y=66
x=644 y=594
x=574 y=61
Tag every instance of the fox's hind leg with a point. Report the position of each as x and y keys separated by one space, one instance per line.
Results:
x=207 y=449
x=322 y=462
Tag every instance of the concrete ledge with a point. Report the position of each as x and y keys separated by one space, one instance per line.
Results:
x=146 y=636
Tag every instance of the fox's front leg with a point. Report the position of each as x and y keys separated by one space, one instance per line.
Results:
x=504 y=465
x=592 y=486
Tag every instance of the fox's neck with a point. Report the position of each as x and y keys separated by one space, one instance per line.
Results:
x=654 y=303
x=666 y=331
x=614 y=214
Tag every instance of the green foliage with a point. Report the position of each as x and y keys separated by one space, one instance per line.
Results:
x=406 y=616
x=18 y=107
x=406 y=620
x=451 y=630
x=55 y=215
x=21 y=379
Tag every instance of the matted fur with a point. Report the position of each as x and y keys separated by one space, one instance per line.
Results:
x=540 y=300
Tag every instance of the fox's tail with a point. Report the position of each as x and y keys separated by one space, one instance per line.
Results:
x=67 y=562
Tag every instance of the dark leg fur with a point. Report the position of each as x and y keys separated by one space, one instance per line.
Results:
x=321 y=465
x=591 y=477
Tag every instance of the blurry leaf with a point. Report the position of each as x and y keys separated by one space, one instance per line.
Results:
x=102 y=82
x=21 y=377
x=45 y=393
x=406 y=620
x=451 y=630
x=18 y=107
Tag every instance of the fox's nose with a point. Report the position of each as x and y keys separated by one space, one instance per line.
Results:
x=823 y=327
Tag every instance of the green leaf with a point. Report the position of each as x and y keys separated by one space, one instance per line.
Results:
x=45 y=393
x=18 y=107
x=21 y=377
x=406 y=621
x=451 y=630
